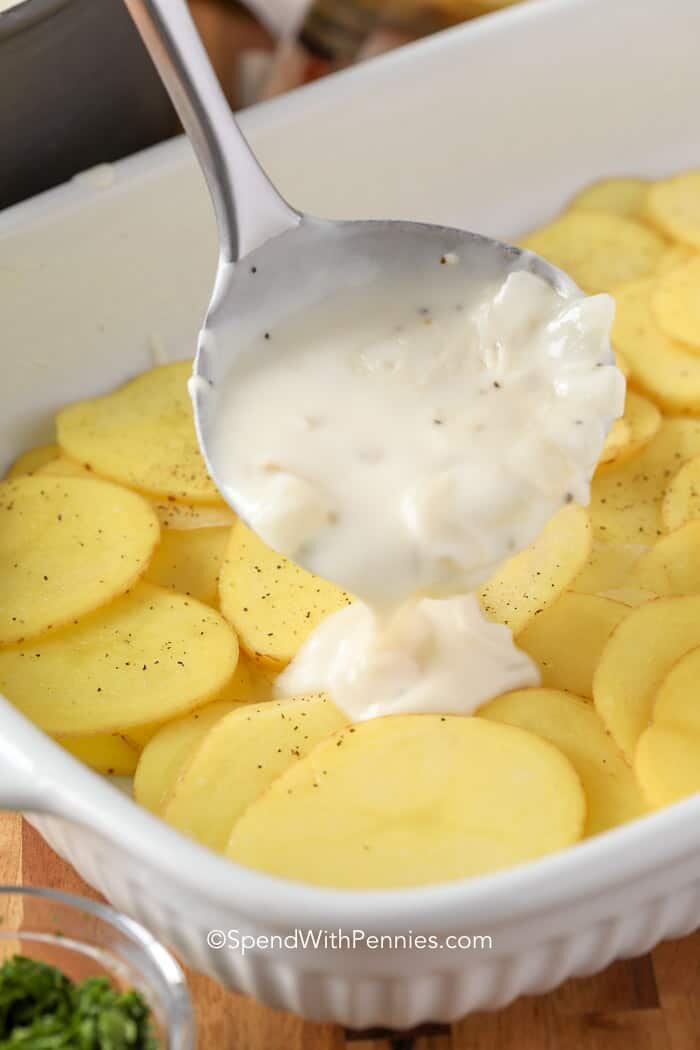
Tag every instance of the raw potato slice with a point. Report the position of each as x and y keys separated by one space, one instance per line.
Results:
x=30 y=461
x=189 y=561
x=142 y=435
x=626 y=499
x=413 y=799
x=169 y=748
x=676 y=255
x=174 y=515
x=67 y=546
x=637 y=427
x=635 y=660
x=607 y=568
x=672 y=565
x=674 y=206
x=632 y=596
x=664 y=369
x=536 y=577
x=106 y=753
x=573 y=726
x=149 y=656
x=566 y=640
x=239 y=758
x=597 y=249
x=272 y=603
x=667 y=764
x=682 y=500
x=675 y=303
x=620 y=196
x=618 y=438
x=64 y=467
x=677 y=701
x=248 y=686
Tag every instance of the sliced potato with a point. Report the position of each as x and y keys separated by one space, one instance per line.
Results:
x=675 y=255
x=248 y=685
x=239 y=758
x=607 y=568
x=175 y=515
x=536 y=577
x=675 y=303
x=620 y=196
x=667 y=764
x=667 y=761
x=474 y=796
x=617 y=440
x=189 y=561
x=598 y=249
x=573 y=726
x=626 y=499
x=566 y=640
x=636 y=658
x=681 y=502
x=30 y=461
x=677 y=701
x=142 y=435
x=106 y=753
x=674 y=206
x=67 y=546
x=65 y=467
x=632 y=596
x=672 y=565
x=149 y=656
x=664 y=369
x=272 y=603
x=169 y=748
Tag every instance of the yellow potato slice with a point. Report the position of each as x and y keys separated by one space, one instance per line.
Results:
x=239 y=758
x=632 y=596
x=169 y=748
x=413 y=799
x=618 y=438
x=675 y=303
x=620 y=196
x=677 y=701
x=637 y=657
x=674 y=206
x=535 y=578
x=174 y=515
x=249 y=685
x=67 y=546
x=664 y=369
x=149 y=656
x=672 y=565
x=272 y=603
x=681 y=502
x=189 y=561
x=676 y=255
x=626 y=499
x=106 y=753
x=65 y=467
x=30 y=461
x=607 y=568
x=566 y=640
x=598 y=249
x=142 y=435
x=573 y=726
x=667 y=764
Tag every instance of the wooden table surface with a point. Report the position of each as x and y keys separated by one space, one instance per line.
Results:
x=650 y=1003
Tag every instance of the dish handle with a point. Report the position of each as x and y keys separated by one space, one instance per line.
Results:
x=23 y=785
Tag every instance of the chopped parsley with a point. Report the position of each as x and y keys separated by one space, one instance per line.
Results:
x=42 y=1009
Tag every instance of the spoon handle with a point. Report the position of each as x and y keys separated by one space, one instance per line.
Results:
x=249 y=210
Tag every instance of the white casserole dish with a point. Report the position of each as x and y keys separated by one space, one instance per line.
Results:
x=491 y=126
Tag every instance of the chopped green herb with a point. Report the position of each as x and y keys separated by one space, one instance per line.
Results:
x=42 y=1009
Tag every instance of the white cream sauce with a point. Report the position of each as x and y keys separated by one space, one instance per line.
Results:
x=410 y=460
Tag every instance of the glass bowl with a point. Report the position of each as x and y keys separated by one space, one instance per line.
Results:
x=86 y=939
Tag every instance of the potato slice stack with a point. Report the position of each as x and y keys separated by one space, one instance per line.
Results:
x=128 y=653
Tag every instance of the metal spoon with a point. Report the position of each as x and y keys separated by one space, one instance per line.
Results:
x=274 y=261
